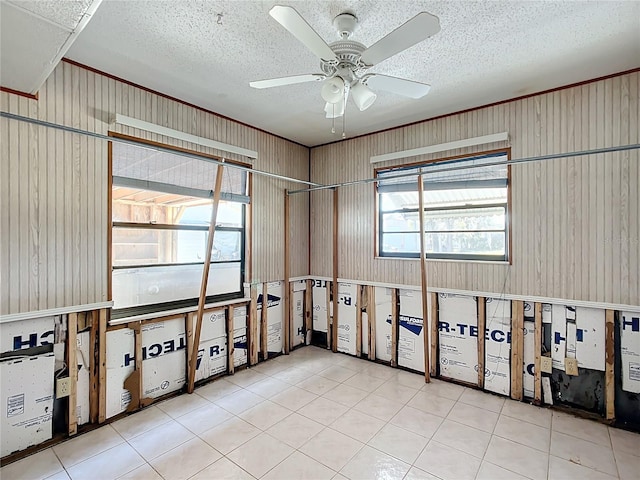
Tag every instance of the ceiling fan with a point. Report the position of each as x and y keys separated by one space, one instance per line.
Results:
x=345 y=63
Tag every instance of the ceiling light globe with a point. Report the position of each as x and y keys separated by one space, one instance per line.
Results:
x=362 y=96
x=333 y=90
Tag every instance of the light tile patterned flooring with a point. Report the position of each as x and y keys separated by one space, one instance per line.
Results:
x=314 y=414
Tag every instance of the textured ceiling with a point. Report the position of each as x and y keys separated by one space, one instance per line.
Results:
x=485 y=52
x=34 y=35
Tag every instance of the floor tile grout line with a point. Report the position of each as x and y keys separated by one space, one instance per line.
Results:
x=90 y=456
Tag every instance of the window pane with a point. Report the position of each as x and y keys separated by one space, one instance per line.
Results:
x=147 y=206
x=400 y=222
x=476 y=243
x=400 y=243
x=151 y=246
x=226 y=246
x=492 y=218
x=145 y=246
x=149 y=285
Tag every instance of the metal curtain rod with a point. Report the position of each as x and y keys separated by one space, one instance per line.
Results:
x=467 y=167
x=157 y=148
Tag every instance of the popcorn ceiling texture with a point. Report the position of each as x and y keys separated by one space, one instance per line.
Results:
x=485 y=52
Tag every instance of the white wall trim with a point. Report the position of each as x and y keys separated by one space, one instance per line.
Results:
x=502 y=296
x=187 y=137
x=442 y=147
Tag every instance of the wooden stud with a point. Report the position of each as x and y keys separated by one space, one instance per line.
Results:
x=537 y=349
x=264 y=344
x=609 y=380
x=102 y=366
x=133 y=382
x=481 y=329
x=371 y=315
x=308 y=311
x=434 y=334
x=517 y=348
x=334 y=284
x=252 y=327
x=188 y=328
x=72 y=365
x=328 y=300
x=395 y=307
x=138 y=353
x=292 y=332
x=230 y=344
x=358 y=321
x=424 y=281
x=205 y=278
x=288 y=317
x=94 y=362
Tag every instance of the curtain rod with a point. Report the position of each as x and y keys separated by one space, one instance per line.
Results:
x=467 y=167
x=157 y=148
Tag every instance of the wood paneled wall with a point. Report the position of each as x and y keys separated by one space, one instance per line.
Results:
x=53 y=187
x=575 y=221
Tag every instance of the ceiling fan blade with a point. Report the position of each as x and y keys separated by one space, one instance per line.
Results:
x=278 y=82
x=419 y=28
x=400 y=86
x=290 y=19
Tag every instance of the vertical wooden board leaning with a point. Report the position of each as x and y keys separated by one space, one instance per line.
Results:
x=359 y=321
x=517 y=347
x=72 y=365
x=371 y=315
x=537 y=374
x=481 y=329
x=394 y=327
x=434 y=334
x=230 y=342
x=102 y=366
x=609 y=385
x=424 y=281
x=205 y=279
x=308 y=312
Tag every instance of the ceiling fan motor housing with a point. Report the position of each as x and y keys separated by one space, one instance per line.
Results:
x=348 y=53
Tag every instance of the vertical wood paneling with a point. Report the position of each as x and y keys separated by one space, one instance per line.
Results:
x=54 y=188
x=576 y=224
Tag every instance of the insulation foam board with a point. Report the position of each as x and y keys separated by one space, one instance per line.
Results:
x=458 y=348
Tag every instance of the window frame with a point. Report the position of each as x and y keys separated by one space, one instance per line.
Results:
x=378 y=214
x=244 y=230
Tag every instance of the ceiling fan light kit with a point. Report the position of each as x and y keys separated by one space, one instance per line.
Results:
x=344 y=63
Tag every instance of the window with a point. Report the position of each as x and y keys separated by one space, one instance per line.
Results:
x=466 y=209
x=161 y=209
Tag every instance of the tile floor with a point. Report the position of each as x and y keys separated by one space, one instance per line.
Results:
x=314 y=414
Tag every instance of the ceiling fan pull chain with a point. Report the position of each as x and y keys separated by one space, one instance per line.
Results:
x=333 y=118
x=344 y=116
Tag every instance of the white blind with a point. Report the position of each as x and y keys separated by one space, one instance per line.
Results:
x=488 y=171
x=161 y=171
